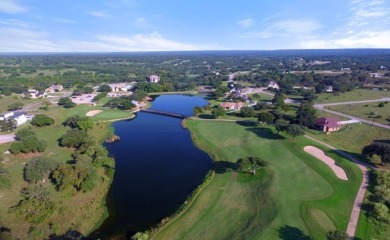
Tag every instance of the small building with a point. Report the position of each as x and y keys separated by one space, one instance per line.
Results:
x=119 y=87
x=231 y=105
x=32 y=93
x=18 y=116
x=274 y=85
x=154 y=78
x=329 y=89
x=328 y=124
x=54 y=88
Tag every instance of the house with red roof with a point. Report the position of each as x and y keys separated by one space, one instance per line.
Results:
x=328 y=124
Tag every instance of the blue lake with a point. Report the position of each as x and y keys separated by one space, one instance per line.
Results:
x=157 y=168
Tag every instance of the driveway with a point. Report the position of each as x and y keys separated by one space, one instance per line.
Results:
x=7 y=138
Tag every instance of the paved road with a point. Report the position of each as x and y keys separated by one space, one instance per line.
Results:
x=38 y=104
x=7 y=138
x=321 y=107
x=353 y=220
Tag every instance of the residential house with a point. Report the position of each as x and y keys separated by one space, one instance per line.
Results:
x=274 y=85
x=120 y=87
x=54 y=88
x=328 y=124
x=231 y=105
x=18 y=116
x=33 y=93
x=154 y=78
x=329 y=89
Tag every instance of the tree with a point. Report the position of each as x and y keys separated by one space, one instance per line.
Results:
x=278 y=99
x=104 y=88
x=250 y=164
x=380 y=212
x=140 y=236
x=220 y=91
x=74 y=138
x=336 y=235
x=309 y=96
x=15 y=106
x=100 y=96
x=72 y=121
x=281 y=125
x=8 y=125
x=66 y=102
x=197 y=110
x=260 y=106
x=28 y=144
x=87 y=90
x=85 y=123
x=382 y=150
x=36 y=205
x=295 y=130
x=266 y=117
x=138 y=95
x=218 y=112
x=247 y=112
x=306 y=114
x=38 y=168
x=41 y=120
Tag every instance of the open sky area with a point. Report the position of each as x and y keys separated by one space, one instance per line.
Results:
x=156 y=25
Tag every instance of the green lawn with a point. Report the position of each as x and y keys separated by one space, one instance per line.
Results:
x=355 y=95
x=295 y=197
x=365 y=111
x=8 y=100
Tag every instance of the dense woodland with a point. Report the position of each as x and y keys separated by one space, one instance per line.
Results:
x=185 y=70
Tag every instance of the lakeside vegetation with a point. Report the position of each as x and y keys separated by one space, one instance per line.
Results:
x=74 y=210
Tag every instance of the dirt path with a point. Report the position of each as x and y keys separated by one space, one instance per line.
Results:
x=321 y=107
x=353 y=220
x=7 y=138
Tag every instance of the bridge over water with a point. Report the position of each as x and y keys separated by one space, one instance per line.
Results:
x=176 y=115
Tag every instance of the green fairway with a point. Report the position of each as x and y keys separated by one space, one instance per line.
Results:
x=296 y=196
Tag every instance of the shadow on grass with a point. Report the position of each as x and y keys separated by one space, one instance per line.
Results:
x=69 y=235
x=247 y=123
x=266 y=133
x=206 y=116
x=383 y=141
x=292 y=233
x=221 y=167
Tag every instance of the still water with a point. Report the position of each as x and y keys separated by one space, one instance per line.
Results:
x=157 y=167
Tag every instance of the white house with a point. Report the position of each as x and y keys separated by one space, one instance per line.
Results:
x=154 y=78
x=33 y=93
x=19 y=117
x=274 y=85
x=329 y=89
x=119 y=87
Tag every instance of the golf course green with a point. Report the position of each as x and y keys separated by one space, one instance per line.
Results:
x=295 y=197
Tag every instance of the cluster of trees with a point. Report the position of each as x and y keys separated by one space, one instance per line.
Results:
x=379 y=149
x=8 y=125
x=122 y=102
x=5 y=181
x=380 y=198
x=15 y=106
x=27 y=142
x=66 y=102
x=100 y=96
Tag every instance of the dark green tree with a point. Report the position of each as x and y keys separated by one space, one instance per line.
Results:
x=295 y=130
x=382 y=150
x=250 y=164
x=266 y=117
x=306 y=114
x=336 y=235
x=104 y=88
x=74 y=138
x=247 y=112
x=15 y=106
x=281 y=125
x=197 y=110
x=218 y=112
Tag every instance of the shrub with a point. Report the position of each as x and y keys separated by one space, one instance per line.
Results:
x=38 y=168
x=41 y=120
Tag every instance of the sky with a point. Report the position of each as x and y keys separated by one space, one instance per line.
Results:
x=175 y=25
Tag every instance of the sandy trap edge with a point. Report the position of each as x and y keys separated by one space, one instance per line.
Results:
x=318 y=153
x=93 y=113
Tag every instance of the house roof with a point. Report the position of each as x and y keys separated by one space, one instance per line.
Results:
x=331 y=122
x=227 y=104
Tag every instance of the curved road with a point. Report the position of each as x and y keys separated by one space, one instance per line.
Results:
x=321 y=107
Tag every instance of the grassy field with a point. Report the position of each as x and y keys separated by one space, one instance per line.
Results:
x=7 y=100
x=365 y=111
x=352 y=139
x=355 y=95
x=297 y=196
x=78 y=211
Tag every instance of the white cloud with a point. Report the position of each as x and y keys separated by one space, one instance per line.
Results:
x=359 y=40
x=99 y=14
x=25 y=40
x=15 y=23
x=140 y=20
x=286 y=28
x=64 y=20
x=245 y=23
x=11 y=7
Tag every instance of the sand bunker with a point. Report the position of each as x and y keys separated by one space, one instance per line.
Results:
x=93 y=113
x=318 y=153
